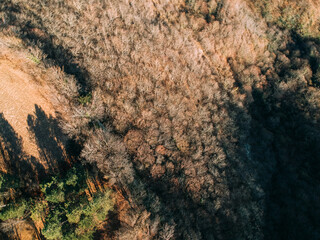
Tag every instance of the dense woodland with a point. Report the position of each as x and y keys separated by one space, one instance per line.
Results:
x=204 y=115
x=62 y=205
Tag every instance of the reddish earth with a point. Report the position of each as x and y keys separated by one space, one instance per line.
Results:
x=21 y=90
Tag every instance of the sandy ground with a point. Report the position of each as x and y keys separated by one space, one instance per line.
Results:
x=20 y=92
x=18 y=96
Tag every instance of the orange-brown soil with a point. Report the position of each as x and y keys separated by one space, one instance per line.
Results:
x=23 y=95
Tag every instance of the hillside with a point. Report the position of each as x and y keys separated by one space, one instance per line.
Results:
x=22 y=93
x=203 y=116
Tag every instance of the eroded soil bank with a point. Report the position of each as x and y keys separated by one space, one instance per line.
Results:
x=28 y=119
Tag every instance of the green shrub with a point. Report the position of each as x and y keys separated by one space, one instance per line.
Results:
x=72 y=179
x=34 y=59
x=38 y=211
x=56 y=196
x=13 y=211
x=54 y=191
x=53 y=227
x=75 y=215
x=86 y=99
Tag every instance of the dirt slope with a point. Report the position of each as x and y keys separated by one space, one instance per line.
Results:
x=20 y=92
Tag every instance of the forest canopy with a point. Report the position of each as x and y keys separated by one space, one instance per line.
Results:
x=202 y=116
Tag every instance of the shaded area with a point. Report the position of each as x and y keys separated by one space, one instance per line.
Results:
x=49 y=138
x=27 y=168
x=110 y=227
x=287 y=143
x=51 y=146
x=285 y=139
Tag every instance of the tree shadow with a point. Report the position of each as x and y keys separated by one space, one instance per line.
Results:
x=17 y=162
x=278 y=171
x=50 y=140
x=287 y=126
x=274 y=184
x=55 y=149
x=289 y=152
x=11 y=143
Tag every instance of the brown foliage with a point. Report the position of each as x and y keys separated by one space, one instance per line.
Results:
x=196 y=109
